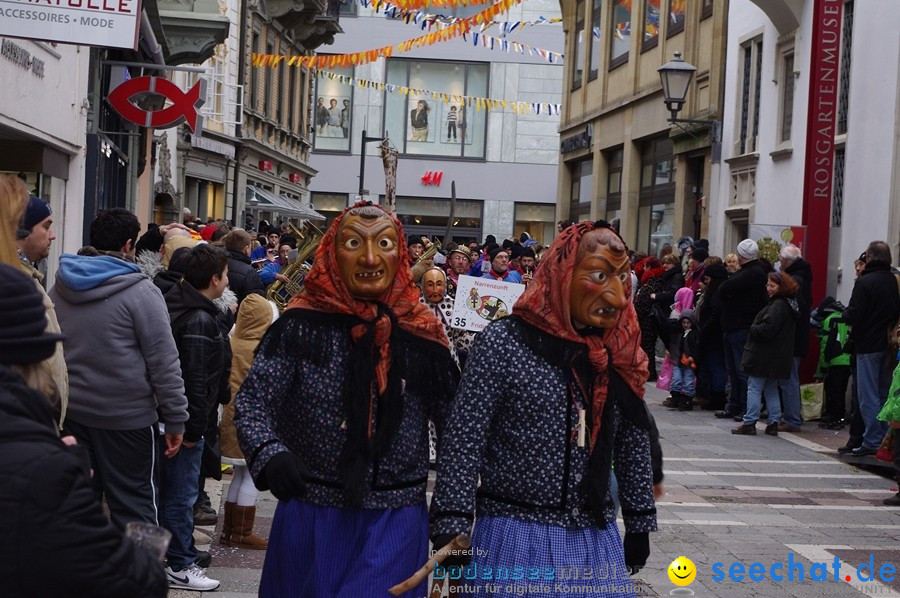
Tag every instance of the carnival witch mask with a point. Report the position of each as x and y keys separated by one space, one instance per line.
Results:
x=434 y=285
x=368 y=254
x=598 y=293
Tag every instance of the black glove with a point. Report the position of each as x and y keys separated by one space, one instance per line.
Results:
x=452 y=561
x=284 y=474
x=637 y=549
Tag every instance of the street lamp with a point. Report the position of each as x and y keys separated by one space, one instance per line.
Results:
x=676 y=76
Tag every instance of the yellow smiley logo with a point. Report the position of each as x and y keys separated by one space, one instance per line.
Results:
x=682 y=571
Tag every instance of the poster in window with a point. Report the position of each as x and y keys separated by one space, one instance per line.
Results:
x=454 y=119
x=333 y=116
x=421 y=122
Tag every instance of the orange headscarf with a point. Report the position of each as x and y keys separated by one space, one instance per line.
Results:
x=545 y=305
x=324 y=291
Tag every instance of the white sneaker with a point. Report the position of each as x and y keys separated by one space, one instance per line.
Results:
x=191 y=578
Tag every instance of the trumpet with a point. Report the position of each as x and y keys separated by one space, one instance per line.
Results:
x=431 y=249
x=280 y=293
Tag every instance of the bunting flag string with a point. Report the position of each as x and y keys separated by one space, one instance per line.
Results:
x=416 y=4
x=479 y=104
x=428 y=20
x=505 y=45
x=455 y=30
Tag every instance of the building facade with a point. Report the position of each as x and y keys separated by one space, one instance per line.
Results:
x=775 y=156
x=503 y=162
x=620 y=158
x=43 y=116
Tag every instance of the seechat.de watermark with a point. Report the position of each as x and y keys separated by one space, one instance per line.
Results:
x=794 y=570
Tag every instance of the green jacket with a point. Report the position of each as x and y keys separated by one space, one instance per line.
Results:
x=891 y=410
x=833 y=335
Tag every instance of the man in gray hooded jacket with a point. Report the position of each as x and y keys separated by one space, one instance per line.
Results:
x=124 y=370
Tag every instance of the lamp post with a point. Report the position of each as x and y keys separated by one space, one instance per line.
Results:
x=676 y=76
x=362 y=160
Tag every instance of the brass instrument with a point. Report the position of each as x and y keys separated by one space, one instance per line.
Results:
x=280 y=293
x=430 y=252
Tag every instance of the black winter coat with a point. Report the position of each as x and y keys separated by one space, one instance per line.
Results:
x=743 y=295
x=54 y=539
x=243 y=278
x=874 y=306
x=672 y=280
x=769 y=352
x=709 y=316
x=201 y=350
x=801 y=272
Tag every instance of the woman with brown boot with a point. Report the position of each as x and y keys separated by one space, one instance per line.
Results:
x=254 y=318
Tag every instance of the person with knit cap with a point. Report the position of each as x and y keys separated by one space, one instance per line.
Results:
x=54 y=538
x=333 y=416
x=542 y=443
x=695 y=266
x=743 y=295
x=459 y=262
x=500 y=269
x=28 y=219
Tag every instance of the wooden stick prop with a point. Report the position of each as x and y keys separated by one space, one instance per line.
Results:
x=459 y=543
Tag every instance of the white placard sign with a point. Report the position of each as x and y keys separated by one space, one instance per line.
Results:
x=479 y=301
x=107 y=23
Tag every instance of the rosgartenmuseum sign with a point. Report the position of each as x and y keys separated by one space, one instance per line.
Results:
x=107 y=23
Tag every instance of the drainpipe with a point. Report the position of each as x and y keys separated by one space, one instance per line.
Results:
x=238 y=207
x=149 y=39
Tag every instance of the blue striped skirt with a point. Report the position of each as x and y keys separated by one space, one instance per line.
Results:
x=328 y=552
x=515 y=558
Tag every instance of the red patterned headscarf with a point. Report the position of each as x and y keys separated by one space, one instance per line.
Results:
x=545 y=305
x=324 y=290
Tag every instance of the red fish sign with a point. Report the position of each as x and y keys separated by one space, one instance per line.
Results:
x=183 y=108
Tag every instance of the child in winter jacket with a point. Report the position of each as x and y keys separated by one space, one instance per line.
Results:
x=683 y=351
x=834 y=361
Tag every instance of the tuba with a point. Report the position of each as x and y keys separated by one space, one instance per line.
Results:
x=433 y=247
x=280 y=293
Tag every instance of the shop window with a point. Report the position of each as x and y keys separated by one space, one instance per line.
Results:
x=657 y=165
x=751 y=79
x=582 y=182
x=844 y=82
x=333 y=112
x=656 y=211
x=578 y=63
x=651 y=24
x=349 y=8
x=429 y=217
x=656 y=227
x=537 y=220
x=620 y=28
x=420 y=125
x=595 y=37
x=329 y=205
x=614 y=185
x=676 y=17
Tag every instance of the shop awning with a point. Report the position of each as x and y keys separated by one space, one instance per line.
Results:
x=285 y=206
